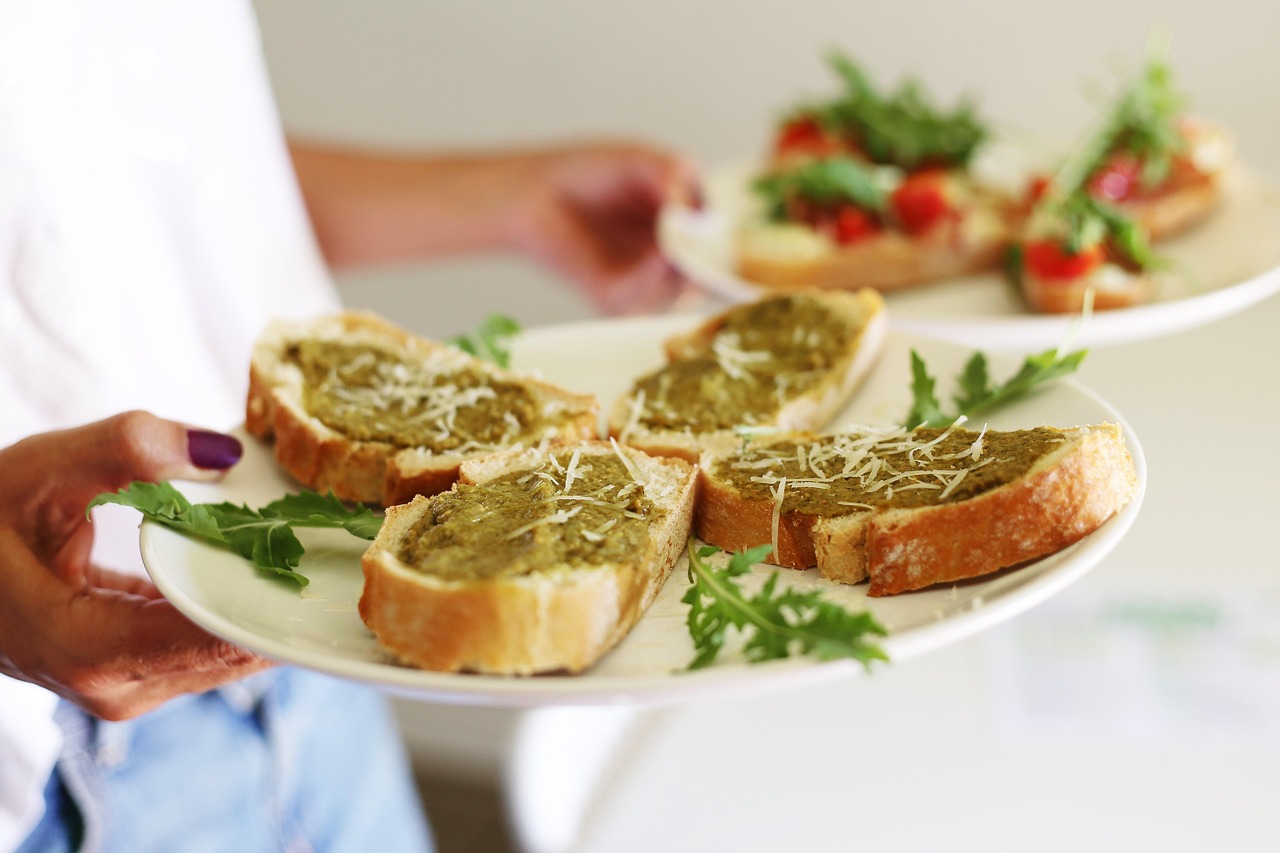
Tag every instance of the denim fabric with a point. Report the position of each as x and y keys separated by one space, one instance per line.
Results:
x=287 y=761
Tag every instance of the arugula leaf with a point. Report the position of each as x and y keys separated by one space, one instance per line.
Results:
x=490 y=341
x=1142 y=121
x=977 y=394
x=778 y=622
x=902 y=128
x=1089 y=221
x=827 y=183
x=263 y=536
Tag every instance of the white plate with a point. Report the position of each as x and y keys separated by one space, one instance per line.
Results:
x=318 y=627
x=1227 y=264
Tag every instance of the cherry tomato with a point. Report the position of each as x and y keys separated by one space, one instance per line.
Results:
x=1049 y=260
x=1117 y=179
x=920 y=202
x=1036 y=189
x=804 y=135
x=853 y=224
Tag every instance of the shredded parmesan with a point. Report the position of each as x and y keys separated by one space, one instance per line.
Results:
x=637 y=409
x=779 y=494
x=733 y=359
x=559 y=517
x=572 y=471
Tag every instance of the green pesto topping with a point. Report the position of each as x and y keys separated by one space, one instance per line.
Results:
x=842 y=474
x=530 y=522
x=371 y=393
x=766 y=353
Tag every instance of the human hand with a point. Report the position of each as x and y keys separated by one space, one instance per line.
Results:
x=107 y=642
x=589 y=211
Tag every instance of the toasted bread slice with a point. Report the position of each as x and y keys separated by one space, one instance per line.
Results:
x=1106 y=288
x=788 y=361
x=908 y=510
x=1191 y=190
x=536 y=561
x=786 y=256
x=360 y=407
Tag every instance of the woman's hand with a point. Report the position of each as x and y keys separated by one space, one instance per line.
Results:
x=590 y=213
x=107 y=642
x=587 y=211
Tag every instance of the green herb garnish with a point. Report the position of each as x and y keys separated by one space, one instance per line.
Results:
x=263 y=536
x=827 y=183
x=1142 y=122
x=778 y=621
x=977 y=394
x=902 y=128
x=491 y=341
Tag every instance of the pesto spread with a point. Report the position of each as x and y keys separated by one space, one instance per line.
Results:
x=765 y=354
x=587 y=513
x=842 y=474
x=370 y=393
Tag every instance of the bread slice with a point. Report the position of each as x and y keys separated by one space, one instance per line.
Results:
x=536 y=561
x=1193 y=188
x=789 y=361
x=786 y=256
x=908 y=510
x=363 y=408
x=1106 y=288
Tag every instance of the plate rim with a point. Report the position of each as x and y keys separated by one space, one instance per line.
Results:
x=734 y=678
x=997 y=332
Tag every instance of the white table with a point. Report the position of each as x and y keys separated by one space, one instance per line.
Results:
x=1139 y=710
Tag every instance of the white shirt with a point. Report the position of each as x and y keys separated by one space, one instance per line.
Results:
x=149 y=226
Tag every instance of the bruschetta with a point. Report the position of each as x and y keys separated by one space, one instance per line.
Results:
x=872 y=190
x=910 y=509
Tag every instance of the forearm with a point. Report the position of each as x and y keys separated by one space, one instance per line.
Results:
x=370 y=207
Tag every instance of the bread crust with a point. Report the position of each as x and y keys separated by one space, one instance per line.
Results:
x=379 y=472
x=1066 y=495
x=865 y=308
x=1177 y=209
x=1104 y=292
x=969 y=242
x=1195 y=184
x=526 y=624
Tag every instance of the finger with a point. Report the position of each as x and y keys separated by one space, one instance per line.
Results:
x=51 y=478
x=110 y=650
x=145 y=653
x=649 y=286
x=76 y=464
x=127 y=583
x=140 y=446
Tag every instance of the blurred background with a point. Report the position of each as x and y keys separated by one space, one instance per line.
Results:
x=994 y=745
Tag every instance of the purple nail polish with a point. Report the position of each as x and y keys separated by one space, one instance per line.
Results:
x=213 y=450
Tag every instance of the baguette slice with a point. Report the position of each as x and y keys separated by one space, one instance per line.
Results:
x=1104 y=289
x=385 y=415
x=910 y=510
x=1193 y=188
x=548 y=583
x=789 y=361
x=786 y=256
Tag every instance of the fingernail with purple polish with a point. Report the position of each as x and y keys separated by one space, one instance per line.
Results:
x=213 y=450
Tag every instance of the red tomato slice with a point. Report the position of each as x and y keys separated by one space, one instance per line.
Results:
x=1117 y=179
x=921 y=202
x=805 y=135
x=1037 y=189
x=853 y=224
x=1048 y=260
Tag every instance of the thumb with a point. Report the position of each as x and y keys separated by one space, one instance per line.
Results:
x=110 y=454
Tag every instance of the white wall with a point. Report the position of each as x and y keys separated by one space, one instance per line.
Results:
x=708 y=76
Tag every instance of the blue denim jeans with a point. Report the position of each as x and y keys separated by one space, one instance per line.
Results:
x=285 y=761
